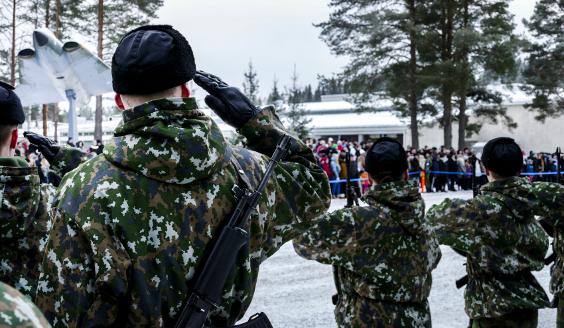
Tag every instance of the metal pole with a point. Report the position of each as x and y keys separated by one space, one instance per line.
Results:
x=72 y=131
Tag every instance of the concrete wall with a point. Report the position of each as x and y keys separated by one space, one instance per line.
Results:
x=530 y=134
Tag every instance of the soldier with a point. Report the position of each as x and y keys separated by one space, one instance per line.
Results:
x=24 y=203
x=551 y=209
x=24 y=209
x=17 y=311
x=132 y=224
x=502 y=241
x=383 y=254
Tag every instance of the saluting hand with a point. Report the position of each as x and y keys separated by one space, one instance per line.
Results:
x=230 y=104
x=49 y=148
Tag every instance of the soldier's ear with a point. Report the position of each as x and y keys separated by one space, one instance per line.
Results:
x=14 y=141
x=185 y=91
x=119 y=101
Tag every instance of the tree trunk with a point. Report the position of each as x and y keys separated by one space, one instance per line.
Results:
x=58 y=34
x=45 y=109
x=413 y=77
x=462 y=117
x=98 y=133
x=13 y=50
x=446 y=58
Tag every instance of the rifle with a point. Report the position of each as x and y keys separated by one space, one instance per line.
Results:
x=352 y=199
x=475 y=191
x=207 y=291
x=547 y=227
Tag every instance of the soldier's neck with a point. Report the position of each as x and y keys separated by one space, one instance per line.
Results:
x=5 y=151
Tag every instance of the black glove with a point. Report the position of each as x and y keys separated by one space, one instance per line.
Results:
x=46 y=146
x=230 y=104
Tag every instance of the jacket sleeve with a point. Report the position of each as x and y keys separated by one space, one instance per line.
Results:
x=454 y=222
x=550 y=203
x=331 y=240
x=67 y=159
x=299 y=190
x=66 y=284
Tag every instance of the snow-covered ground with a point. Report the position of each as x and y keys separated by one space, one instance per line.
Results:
x=294 y=292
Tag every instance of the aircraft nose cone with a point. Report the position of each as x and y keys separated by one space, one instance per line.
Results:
x=40 y=38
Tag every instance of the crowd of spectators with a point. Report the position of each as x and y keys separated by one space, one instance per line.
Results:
x=435 y=169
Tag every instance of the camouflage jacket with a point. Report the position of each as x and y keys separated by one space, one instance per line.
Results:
x=384 y=251
x=24 y=223
x=551 y=209
x=503 y=242
x=131 y=226
x=24 y=217
x=18 y=311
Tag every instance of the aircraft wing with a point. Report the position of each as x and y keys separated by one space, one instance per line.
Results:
x=36 y=87
x=94 y=76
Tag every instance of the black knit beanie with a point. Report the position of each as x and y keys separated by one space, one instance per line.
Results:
x=503 y=156
x=11 y=111
x=386 y=157
x=150 y=59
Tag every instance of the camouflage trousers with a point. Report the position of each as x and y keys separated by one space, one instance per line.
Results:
x=560 y=313
x=515 y=319
x=360 y=312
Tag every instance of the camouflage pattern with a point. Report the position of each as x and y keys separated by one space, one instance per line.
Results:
x=67 y=159
x=24 y=223
x=516 y=319
x=503 y=242
x=384 y=254
x=131 y=225
x=18 y=311
x=551 y=209
x=560 y=313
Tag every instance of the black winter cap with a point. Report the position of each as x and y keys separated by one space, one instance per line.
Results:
x=150 y=59
x=503 y=156
x=386 y=157
x=11 y=111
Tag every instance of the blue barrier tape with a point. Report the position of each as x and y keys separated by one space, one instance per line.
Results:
x=455 y=173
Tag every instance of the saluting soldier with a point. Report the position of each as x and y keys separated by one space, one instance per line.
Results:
x=383 y=253
x=131 y=225
x=498 y=232
x=24 y=205
x=551 y=211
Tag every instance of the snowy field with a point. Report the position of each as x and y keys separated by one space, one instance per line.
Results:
x=296 y=293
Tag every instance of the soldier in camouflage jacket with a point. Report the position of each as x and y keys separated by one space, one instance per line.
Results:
x=132 y=225
x=24 y=203
x=383 y=253
x=551 y=210
x=503 y=242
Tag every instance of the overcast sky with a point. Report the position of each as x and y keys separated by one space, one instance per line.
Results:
x=274 y=34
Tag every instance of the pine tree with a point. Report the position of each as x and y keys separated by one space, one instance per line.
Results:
x=459 y=40
x=379 y=36
x=251 y=84
x=296 y=114
x=544 y=70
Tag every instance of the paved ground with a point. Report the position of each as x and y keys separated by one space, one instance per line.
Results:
x=297 y=293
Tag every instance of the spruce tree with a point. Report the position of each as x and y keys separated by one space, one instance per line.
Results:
x=544 y=70
x=274 y=97
x=296 y=114
x=251 y=84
